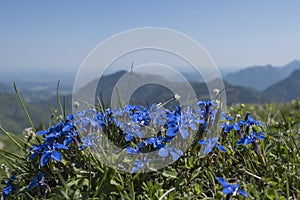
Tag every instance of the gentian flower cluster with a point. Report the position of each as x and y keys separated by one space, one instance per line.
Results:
x=56 y=138
x=167 y=125
x=246 y=130
x=85 y=129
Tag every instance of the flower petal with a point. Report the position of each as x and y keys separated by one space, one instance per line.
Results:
x=175 y=155
x=240 y=141
x=227 y=190
x=221 y=148
x=7 y=189
x=207 y=149
x=42 y=132
x=222 y=181
x=164 y=152
x=184 y=133
x=131 y=150
x=214 y=139
x=243 y=193
x=45 y=158
x=171 y=132
x=56 y=155
x=236 y=127
x=129 y=137
x=202 y=142
x=60 y=146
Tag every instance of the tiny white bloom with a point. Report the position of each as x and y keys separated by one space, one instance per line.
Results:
x=176 y=97
x=216 y=91
x=76 y=104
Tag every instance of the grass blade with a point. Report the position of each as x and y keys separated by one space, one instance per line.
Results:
x=24 y=107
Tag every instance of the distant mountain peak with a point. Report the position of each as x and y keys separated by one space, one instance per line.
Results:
x=286 y=89
x=296 y=61
x=261 y=77
x=293 y=65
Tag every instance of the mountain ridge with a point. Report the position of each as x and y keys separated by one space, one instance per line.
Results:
x=286 y=89
x=12 y=117
x=261 y=77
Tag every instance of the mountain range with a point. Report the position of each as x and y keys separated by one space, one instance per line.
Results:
x=286 y=88
x=261 y=77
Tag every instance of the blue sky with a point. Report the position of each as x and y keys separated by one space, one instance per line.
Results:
x=54 y=34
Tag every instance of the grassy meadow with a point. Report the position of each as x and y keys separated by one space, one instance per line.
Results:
x=269 y=170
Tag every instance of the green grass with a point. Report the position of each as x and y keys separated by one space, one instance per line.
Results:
x=273 y=174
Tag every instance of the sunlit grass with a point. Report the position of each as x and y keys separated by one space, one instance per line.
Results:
x=271 y=174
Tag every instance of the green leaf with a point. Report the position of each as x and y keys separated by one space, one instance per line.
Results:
x=169 y=172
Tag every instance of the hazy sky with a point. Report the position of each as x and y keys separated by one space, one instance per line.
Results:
x=56 y=34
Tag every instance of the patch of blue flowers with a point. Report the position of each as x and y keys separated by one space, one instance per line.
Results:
x=84 y=130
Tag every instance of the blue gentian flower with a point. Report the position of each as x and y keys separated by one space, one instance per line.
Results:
x=252 y=121
x=250 y=139
x=70 y=136
x=248 y=122
x=47 y=151
x=57 y=128
x=187 y=120
x=89 y=123
x=165 y=151
x=172 y=121
x=42 y=132
x=83 y=123
x=37 y=149
x=52 y=137
x=157 y=116
x=231 y=188
x=207 y=112
x=138 y=114
x=9 y=187
x=69 y=117
x=181 y=121
x=227 y=127
x=129 y=136
x=55 y=132
x=137 y=166
x=84 y=113
x=131 y=120
x=36 y=181
x=68 y=126
x=90 y=120
x=51 y=152
x=237 y=125
x=90 y=140
x=132 y=150
x=158 y=142
x=141 y=145
x=210 y=144
x=226 y=116
x=130 y=130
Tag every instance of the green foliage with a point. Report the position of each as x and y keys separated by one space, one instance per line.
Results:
x=272 y=174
